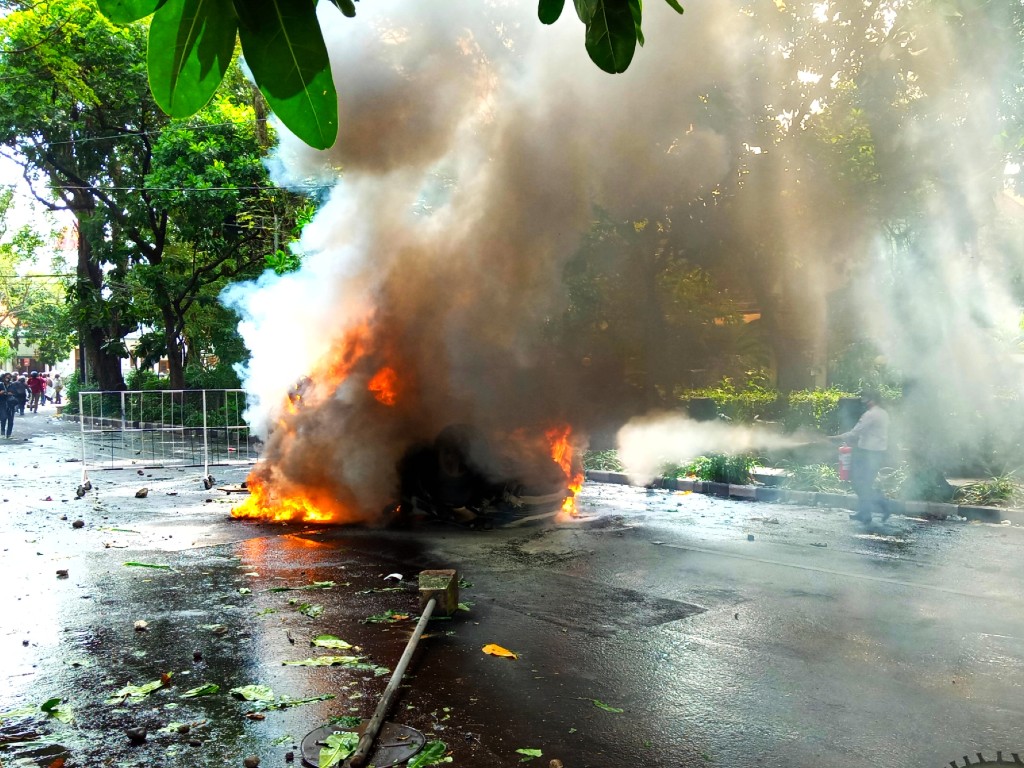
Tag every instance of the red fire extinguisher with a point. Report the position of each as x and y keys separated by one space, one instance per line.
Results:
x=845 y=460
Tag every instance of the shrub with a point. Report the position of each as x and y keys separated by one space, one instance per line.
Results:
x=814 y=409
x=716 y=468
x=822 y=478
x=749 y=403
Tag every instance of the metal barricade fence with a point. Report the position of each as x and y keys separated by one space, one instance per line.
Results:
x=164 y=428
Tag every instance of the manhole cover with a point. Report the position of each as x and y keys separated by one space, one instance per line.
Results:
x=979 y=759
x=395 y=743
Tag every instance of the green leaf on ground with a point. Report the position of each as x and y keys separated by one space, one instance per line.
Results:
x=339 y=747
x=431 y=754
x=311 y=610
x=530 y=754
x=346 y=721
x=463 y=584
x=134 y=693
x=53 y=709
x=281 y=740
x=19 y=712
x=307 y=587
x=253 y=693
x=606 y=707
x=324 y=661
x=284 y=702
x=266 y=611
x=244 y=591
x=208 y=689
x=330 y=641
x=464 y=606
x=133 y=564
x=388 y=617
x=375 y=590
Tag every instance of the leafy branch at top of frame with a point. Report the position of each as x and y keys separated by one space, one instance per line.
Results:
x=192 y=42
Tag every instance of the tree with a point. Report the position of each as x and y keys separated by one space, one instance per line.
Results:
x=33 y=309
x=191 y=44
x=167 y=210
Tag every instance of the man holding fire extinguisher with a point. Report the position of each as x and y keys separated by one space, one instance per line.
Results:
x=870 y=441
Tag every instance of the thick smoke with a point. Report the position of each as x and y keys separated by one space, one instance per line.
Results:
x=474 y=146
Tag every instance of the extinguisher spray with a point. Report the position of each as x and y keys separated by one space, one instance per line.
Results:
x=845 y=460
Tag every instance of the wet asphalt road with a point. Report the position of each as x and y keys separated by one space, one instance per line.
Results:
x=819 y=643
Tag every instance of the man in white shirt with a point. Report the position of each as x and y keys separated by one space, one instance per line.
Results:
x=870 y=441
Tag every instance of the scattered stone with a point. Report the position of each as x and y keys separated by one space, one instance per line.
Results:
x=818 y=544
x=195 y=743
x=141 y=472
x=63 y=517
x=289 y=757
x=25 y=643
x=136 y=735
x=142 y=493
x=750 y=537
x=736 y=616
x=555 y=764
x=197 y=656
x=252 y=761
x=62 y=573
x=78 y=524
x=141 y=626
x=184 y=728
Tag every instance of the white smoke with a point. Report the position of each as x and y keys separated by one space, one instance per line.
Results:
x=646 y=444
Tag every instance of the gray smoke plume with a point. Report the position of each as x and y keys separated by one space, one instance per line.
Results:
x=474 y=145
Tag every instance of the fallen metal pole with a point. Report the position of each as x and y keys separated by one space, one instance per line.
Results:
x=358 y=758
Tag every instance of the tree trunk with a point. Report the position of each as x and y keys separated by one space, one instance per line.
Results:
x=175 y=361
x=101 y=366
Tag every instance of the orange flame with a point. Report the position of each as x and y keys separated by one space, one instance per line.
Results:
x=563 y=452
x=384 y=386
x=298 y=505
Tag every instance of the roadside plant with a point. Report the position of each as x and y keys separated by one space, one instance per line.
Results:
x=1003 y=490
x=603 y=461
x=822 y=478
x=717 y=468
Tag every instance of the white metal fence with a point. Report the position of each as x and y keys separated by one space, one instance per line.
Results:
x=164 y=428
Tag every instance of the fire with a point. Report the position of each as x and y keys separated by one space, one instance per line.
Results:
x=299 y=505
x=384 y=386
x=563 y=452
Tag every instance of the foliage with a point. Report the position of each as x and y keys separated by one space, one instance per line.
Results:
x=752 y=402
x=1002 y=490
x=815 y=408
x=191 y=46
x=33 y=309
x=717 y=468
x=144 y=378
x=822 y=478
x=604 y=461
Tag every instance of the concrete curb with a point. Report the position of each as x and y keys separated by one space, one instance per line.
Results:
x=932 y=509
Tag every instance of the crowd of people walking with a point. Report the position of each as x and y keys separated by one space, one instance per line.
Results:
x=20 y=392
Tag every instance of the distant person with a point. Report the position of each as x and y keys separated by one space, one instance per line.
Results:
x=21 y=391
x=58 y=387
x=48 y=392
x=36 y=387
x=8 y=404
x=869 y=439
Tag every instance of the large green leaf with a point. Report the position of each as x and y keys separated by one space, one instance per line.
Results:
x=675 y=6
x=285 y=51
x=549 y=10
x=191 y=43
x=347 y=7
x=126 y=11
x=611 y=35
x=636 y=7
x=586 y=9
